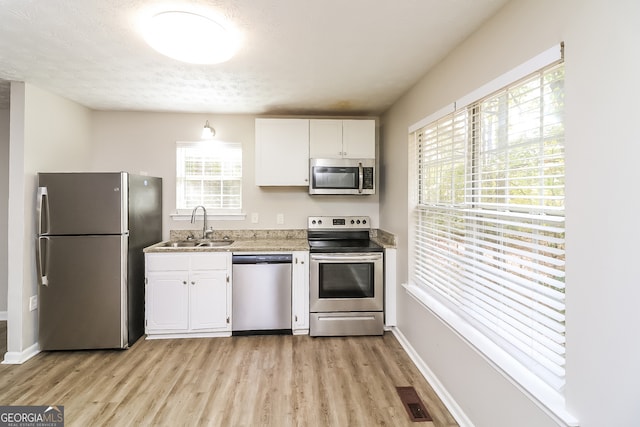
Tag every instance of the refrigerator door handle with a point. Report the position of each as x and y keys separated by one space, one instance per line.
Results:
x=41 y=264
x=43 y=209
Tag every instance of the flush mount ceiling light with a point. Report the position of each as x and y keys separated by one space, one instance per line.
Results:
x=190 y=37
x=208 y=132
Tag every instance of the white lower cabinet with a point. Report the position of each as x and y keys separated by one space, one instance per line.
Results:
x=167 y=302
x=300 y=293
x=188 y=294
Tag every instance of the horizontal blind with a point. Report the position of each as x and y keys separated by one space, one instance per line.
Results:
x=209 y=174
x=488 y=221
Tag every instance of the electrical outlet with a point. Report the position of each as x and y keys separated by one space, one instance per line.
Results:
x=33 y=303
x=280 y=218
x=254 y=217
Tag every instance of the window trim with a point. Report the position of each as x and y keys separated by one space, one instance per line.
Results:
x=549 y=56
x=545 y=396
x=181 y=214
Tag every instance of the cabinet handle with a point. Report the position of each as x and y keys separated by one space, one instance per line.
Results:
x=227 y=320
x=184 y=282
x=295 y=318
x=193 y=283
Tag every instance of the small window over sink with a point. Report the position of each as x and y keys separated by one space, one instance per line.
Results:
x=209 y=174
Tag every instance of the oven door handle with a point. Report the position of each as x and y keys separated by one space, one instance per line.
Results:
x=375 y=257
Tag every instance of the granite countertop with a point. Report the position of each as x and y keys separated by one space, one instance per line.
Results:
x=243 y=241
x=383 y=238
x=255 y=241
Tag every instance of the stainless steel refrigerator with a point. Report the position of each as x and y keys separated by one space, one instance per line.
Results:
x=92 y=228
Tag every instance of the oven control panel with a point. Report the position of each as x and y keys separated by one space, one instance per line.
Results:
x=339 y=222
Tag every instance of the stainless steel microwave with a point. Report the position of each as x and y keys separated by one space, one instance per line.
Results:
x=342 y=176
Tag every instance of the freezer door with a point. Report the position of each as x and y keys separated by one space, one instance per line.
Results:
x=145 y=229
x=82 y=304
x=82 y=203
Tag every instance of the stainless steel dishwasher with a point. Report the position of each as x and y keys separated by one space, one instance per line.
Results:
x=261 y=295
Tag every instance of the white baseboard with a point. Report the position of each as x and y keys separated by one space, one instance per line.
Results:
x=3 y=315
x=448 y=400
x=158 y=336
x=18 y=358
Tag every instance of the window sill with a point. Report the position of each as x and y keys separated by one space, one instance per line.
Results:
x=240 y=216
x=544 y=396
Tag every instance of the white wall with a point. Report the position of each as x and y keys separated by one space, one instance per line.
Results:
x=4 y=207
x=601 y=44
x=48 y=133
x=136 y=142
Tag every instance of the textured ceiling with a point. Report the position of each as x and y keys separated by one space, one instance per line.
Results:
x=297 y=56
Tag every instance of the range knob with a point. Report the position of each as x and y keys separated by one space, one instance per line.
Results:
x=353 y=222
x=319 y=221
x=364 y=221
x=313 y=221
x=358 y=222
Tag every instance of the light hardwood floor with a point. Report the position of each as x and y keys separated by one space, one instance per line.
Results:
x=238 y=381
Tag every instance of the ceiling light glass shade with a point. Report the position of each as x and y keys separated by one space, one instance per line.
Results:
x=208 y=132
x=190 y=37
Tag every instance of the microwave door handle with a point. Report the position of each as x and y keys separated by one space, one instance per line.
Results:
x=360 y=177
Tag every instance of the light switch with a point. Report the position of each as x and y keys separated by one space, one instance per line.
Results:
x=280 y=218
x=254 y=218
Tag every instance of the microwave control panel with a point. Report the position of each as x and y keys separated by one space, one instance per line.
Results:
x=367 y=178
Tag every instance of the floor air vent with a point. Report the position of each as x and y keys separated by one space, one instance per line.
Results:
x=412 y=403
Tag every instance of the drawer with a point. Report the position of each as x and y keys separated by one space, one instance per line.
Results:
x=210 y=261
x=167 y=262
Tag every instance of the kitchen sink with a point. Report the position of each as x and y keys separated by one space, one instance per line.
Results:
x=214 y=243
x=197 y=243
x=181 y=244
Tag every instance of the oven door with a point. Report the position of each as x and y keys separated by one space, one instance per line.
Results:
x=346 y=282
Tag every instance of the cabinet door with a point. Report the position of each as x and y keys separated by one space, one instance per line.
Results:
x=325 y=139
x=359 y=139
x=282 y=152
x=167 y=302
x=208 y=300
x=300 y=291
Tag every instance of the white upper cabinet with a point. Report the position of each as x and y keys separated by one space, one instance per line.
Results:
x=282 y=152
x=359 y=139
x=325 y=139
x=337 y=139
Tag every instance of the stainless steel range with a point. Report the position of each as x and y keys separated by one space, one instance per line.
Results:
x=346 y=277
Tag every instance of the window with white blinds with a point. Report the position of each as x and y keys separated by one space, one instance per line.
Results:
x=488 y=218
x=209 y=174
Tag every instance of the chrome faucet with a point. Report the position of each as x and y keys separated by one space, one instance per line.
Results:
x=205 y=231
